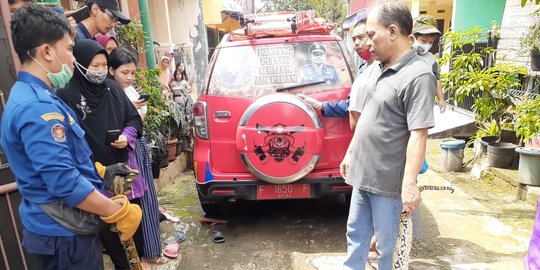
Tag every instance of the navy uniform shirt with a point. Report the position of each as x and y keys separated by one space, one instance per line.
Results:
x=311 y=73
x=47 y=152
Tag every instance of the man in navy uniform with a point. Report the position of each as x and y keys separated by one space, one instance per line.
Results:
x=318 y=70
x=49 y=155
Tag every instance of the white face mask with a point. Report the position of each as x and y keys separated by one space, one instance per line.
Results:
x=421 y=49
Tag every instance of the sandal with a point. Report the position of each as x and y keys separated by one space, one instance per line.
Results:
x=176 y=237
x=168 y=214
x=156 y=260
x=171 y=250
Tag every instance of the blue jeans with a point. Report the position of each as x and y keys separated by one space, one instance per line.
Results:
x=370 y=213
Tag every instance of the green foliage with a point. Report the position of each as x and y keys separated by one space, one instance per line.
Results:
x=528 y=117
x=131 y=36
x=468 y=77
x=530 y=41
x=333 y=11
x=523 y=2
x=155 y=123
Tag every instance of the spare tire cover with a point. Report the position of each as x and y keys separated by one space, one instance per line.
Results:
x=279 y=138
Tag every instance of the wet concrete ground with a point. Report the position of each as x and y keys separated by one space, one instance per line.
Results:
x=480 y=226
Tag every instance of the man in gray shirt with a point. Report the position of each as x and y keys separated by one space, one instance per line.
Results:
x=388 y=146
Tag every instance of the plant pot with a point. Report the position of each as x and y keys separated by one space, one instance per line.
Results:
x=535 y=61
x=165 y=159
x=484 y=141
x=178 y=147
x=171 y=147
x=529 y=166
x=156 y=170
x=500 y=154
x=509 y=136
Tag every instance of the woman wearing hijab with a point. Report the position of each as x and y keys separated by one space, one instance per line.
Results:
x=101 y=106
x=165 y=77
x=122 y=67
x=107 y=41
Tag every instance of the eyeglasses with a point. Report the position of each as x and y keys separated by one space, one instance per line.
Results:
x=111 y=16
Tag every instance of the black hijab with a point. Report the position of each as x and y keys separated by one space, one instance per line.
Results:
x=99 y=107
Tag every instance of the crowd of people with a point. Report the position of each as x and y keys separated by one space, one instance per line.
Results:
x=76 y=88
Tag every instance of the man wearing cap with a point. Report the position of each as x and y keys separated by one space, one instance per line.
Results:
x=318 y=70
x=425 y=32
x=104 y=14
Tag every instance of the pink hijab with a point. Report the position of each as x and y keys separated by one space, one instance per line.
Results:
x=104 y=39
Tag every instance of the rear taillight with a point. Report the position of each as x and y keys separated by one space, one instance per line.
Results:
x=200 y=118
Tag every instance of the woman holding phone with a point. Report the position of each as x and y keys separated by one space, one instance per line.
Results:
x=122 y=68
x=101 y=108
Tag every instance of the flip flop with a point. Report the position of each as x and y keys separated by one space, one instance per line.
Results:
x=168 y=214
x=171 y=250
x=217 y=237
x=176 y=237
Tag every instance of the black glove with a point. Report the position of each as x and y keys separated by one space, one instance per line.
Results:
x=118 y=178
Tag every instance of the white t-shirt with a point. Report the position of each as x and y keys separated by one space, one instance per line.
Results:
x=363 y=86
x=134 y=96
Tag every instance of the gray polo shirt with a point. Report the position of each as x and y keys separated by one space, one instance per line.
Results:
x=401 y=101
x=430 y=60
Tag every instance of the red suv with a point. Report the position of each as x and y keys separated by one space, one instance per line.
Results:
x=255 y=139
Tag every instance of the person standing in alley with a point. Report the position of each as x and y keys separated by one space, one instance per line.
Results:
x=49 y=156
x=387 y=149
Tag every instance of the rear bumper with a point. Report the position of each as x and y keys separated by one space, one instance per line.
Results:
x=220 y=190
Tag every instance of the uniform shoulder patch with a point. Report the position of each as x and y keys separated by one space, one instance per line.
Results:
x=52 y=116
x=58 y=133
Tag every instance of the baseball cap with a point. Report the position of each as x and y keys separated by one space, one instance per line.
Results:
x=425 y=25
x=316 y=47
x=113 y=7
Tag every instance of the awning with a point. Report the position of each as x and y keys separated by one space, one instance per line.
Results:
x=350 y=21
x=218 y=15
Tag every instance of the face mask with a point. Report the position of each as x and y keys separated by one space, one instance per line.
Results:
x=364 y=54
x=95 y=77
x=58 y=79
x=421 y=49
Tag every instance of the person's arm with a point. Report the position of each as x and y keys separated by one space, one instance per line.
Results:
x=98 y=204
x=336 y=109
x=353 y=119
x=440 y=97
x=416 y=148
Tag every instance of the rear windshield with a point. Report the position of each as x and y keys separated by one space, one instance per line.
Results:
x=253 y=71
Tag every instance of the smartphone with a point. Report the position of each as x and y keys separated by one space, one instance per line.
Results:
x=80 y=14
x=112 y=135
x=144 y=97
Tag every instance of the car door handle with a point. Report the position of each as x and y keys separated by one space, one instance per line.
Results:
x=222 y=114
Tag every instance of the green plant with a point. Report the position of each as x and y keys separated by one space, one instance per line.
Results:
x=131 y=36
x=523 y=2
x=468 y=76
x=530 y=41
x=155 y=123
x=527 y=118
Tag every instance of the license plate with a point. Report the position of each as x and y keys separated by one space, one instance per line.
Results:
x=291 y=191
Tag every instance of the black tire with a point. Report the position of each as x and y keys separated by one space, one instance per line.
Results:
x=214 y=209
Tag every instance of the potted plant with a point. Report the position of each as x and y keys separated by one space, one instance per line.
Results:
x=155 y=123
x=530 y=41
x=528 y=128
x=469 y=76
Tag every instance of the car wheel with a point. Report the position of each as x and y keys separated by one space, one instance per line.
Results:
x=279 y=138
